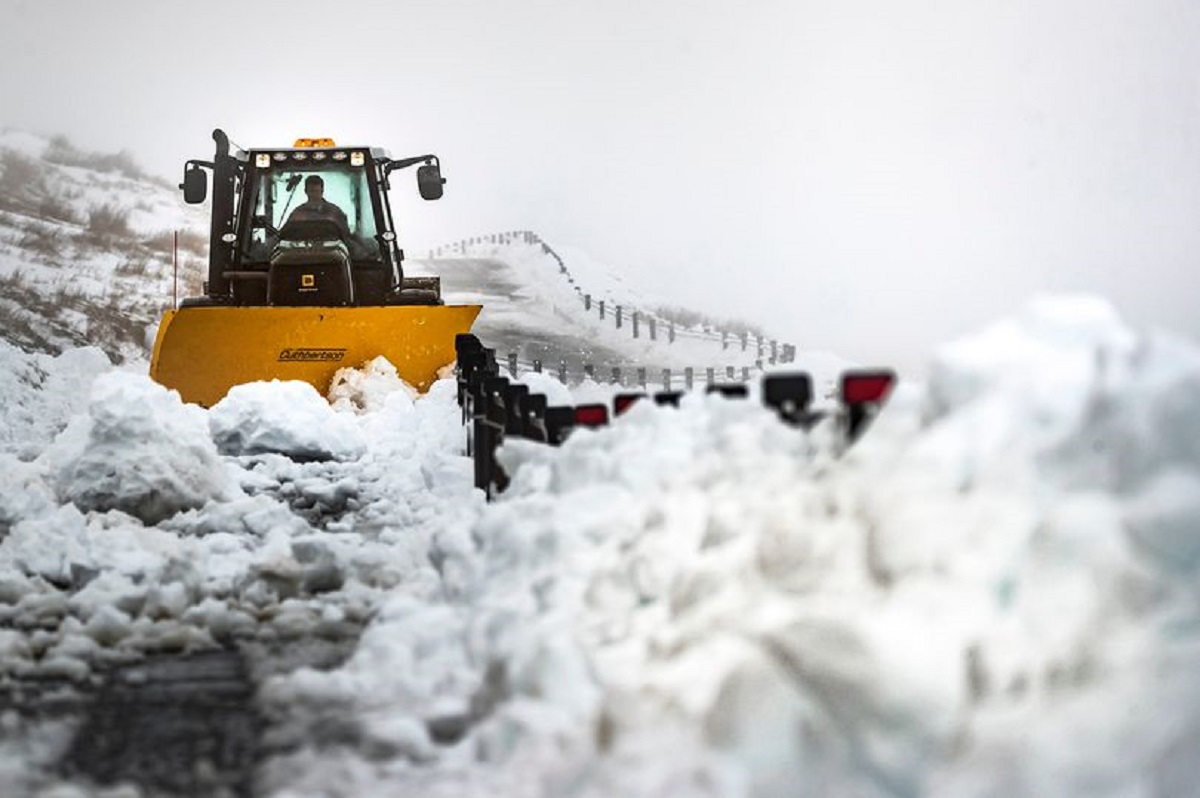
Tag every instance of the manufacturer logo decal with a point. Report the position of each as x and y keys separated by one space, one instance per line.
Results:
x=310 y=355
x=308 y=280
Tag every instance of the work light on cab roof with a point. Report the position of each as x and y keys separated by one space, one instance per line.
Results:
x=305 y=275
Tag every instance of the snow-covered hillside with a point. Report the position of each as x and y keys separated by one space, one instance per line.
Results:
x=534 y=307
x=87 y=247
x=994 y=593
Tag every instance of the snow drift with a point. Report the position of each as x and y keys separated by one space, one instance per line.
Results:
x=993 y=593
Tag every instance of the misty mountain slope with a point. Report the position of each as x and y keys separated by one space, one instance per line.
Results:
x=533 y=306
x=507 y=308
x=86 y=246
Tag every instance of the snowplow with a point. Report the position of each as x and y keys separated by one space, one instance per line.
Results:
x=305 y=275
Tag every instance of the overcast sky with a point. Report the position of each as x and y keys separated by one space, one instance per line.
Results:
x=868 y=178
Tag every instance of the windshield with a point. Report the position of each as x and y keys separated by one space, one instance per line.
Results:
x=280 y=193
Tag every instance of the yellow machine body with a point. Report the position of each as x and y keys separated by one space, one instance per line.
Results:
x=202 y=351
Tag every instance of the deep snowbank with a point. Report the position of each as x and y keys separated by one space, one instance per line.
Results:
x=995 y=592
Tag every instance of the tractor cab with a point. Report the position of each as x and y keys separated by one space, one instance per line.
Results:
x=308 y=225
x=304 y=275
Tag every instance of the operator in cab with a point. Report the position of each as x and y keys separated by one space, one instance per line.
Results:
x=317 y=207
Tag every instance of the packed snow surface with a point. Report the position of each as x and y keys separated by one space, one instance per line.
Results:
x=995 y=592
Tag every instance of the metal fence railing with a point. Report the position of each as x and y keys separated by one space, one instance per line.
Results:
x=637 y=322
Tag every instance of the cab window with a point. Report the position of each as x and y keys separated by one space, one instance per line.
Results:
x=277 y=192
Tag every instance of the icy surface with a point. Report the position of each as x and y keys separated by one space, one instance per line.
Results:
x=994 y=593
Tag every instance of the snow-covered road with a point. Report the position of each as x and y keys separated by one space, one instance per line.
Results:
x=994 y=593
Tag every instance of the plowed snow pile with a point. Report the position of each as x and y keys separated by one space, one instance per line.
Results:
x=994 y=593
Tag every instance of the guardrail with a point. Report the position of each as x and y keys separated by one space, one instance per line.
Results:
x=630 y=375
x=495 y=407
x=634 y=320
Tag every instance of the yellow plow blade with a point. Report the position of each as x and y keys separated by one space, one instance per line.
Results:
x=204 y=351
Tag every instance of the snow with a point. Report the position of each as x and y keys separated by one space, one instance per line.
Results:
x=550 y=300
x=113 y=458
x=27 y=144
x=248 y=420
x=86 y=254
x=993 y=592
x=41 y=393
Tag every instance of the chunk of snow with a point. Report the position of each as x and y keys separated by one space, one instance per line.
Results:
x=41 y=394
x=368 y=388
x=139 y=450
x=285 y=417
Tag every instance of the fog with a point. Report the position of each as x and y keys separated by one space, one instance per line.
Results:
x=867 y=178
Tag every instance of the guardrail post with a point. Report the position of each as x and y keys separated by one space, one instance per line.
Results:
x=652 y=325
x=641 y=372
x=601 y=309
x=729 y=372
x=862 y=394
x=512 y=364
x=534 y=417
x=537 y=366
x=616 y=375
x=514 y=398
x=562 y=371
x=618 y=317
x=688 y=381
x=559 y=422
x=589 y=371
x=709 y=376
x=482 y=436
x=587 y=301
x=724 y=340
x=491 y=417
x=745 y=374
x=666 y=380
x=745 y=340
x=790 y=394
x=671 y=332
x=774 y=352
x=635 y=323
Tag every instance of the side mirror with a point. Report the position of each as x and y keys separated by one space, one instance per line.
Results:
x=194 y=185
x=430 y=181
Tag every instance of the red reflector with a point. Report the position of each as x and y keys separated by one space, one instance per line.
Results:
x=624 y=401
x=591 y=415
x=863 y=387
